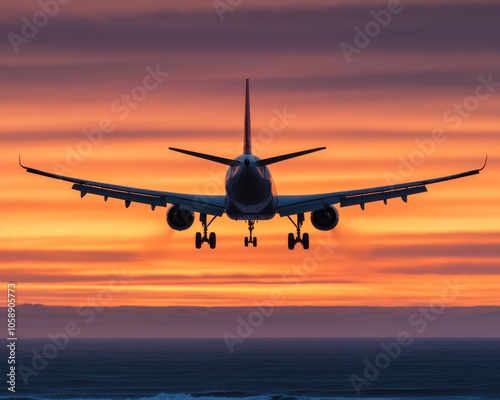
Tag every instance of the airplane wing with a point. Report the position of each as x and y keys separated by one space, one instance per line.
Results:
x=291 y=205
x=211 y=205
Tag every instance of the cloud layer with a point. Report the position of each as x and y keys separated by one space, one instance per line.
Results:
x=262 y=321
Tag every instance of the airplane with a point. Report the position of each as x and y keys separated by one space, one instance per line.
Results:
x=250 y=194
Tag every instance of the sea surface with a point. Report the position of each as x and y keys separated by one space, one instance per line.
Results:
x=258 y=369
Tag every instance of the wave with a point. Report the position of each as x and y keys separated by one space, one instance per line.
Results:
x=240 y=396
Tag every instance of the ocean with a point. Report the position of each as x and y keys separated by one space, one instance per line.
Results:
x=258 y=369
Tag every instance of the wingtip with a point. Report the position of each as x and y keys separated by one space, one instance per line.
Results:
x=484 y=165
x=20 y=163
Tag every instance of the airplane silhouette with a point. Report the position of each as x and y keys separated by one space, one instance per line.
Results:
x=250 y=195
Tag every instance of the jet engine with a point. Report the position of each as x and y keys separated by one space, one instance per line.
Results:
x=325 y=219
x=179 y=219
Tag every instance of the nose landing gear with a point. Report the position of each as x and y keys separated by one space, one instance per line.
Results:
x=249 y=239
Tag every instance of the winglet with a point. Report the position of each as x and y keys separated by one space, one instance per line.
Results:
x=20 y=163
x=484 y=165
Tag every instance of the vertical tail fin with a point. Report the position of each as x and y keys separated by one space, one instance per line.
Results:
x=247 y=146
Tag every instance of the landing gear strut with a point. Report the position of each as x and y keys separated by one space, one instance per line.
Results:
x=210 y=239
x=293 y=240
x=250 y=239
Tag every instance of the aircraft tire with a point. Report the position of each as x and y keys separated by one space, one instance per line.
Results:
x=197 y=240
x=212 y=240
x=305 y=241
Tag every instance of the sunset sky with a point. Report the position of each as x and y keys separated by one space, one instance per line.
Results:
x=375 y=114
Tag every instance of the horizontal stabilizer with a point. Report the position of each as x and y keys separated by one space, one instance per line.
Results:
x=220 y=160
x=272 y=160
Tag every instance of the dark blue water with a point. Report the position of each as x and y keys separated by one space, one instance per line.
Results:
x=260 y=369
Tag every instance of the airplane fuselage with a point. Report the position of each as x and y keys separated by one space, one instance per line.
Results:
x=250 y=190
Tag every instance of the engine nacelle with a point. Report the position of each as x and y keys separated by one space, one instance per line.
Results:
x=179 y=219
x=325 y=219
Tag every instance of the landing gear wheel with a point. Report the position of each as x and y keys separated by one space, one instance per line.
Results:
x=305 y=241
x=197 y=240
x=212 y=240
x=250 y=239
x=293 y=240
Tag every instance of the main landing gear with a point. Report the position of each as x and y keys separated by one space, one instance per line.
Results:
x=250 y=239
x=293 y=240
x=210 y=239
